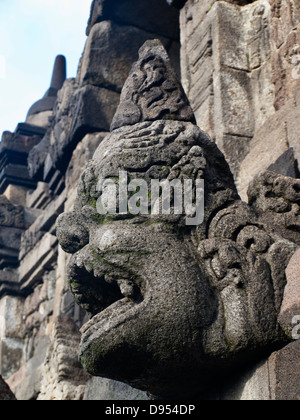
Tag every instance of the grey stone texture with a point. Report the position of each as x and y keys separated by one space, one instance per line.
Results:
x=152 y=91
x=14 y=150
x=239 y=70
x=130 y=272
x=238 y=61
x=272 y=194
x=290 y=308
x=133 y=13
x=5 y=392
x=88 y=103
x=99 y=389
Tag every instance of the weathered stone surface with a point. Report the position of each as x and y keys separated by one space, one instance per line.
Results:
x=14 y=149
x=94 y=111
x=285 y=62
x=87 y=104
x=130 y=271
x=285 y=33
x=159 y=18
x=109 y=53
x=101 y=389
x=35 y=312
x=79 y=110
x=284 y=377
x=5 y=392
x=26 y=382
x=45 y=222
x=285 y=17
x=63 y=377
x=11 y=333
x=58 y=131
x=10 y=242
x=15 y=174
x=21 y=142
x=37 y=157
x=248 y=385
x=278 y=133
x=286 y=164
x=226 y=71
x=276 y=198
x=11 y=215
x=9 y=284
x=40 y=197
x=291 y=301
x=152 y=91
x=12 y=223
x=37 y=261
x=81 y=155
x=15 y=194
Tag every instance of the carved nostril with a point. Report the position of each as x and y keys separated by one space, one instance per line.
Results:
x=71 y=232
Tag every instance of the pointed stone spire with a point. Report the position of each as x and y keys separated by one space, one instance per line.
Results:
x=58 y=77
x=59 y=73
x=152 y=90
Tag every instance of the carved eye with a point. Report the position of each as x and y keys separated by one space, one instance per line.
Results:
x=71 y=232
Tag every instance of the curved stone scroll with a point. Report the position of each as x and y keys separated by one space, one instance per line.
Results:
x=174 y=308
x=277 y=198
x=11 y=215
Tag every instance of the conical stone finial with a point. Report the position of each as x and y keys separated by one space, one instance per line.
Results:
x=152 y=90
x=58 y=77
x=59 y=73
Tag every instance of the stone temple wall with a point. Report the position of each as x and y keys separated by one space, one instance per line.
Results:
x=240 y=69
x=239 y=65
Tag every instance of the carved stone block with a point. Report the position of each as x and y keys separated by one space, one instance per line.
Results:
x=160 y=19
x=109 y=53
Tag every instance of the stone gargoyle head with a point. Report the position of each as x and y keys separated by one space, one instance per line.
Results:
x=174 y=305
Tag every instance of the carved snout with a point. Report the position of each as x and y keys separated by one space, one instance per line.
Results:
x=71 y=232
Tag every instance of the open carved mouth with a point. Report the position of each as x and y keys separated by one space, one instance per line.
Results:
x=102 y=289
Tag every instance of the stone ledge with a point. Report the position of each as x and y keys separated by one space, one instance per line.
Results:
x=9 y=283
x=37 y=261
x=44 y=223
x=40 y=197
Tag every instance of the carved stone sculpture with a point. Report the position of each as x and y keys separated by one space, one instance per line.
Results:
x=174 y=307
